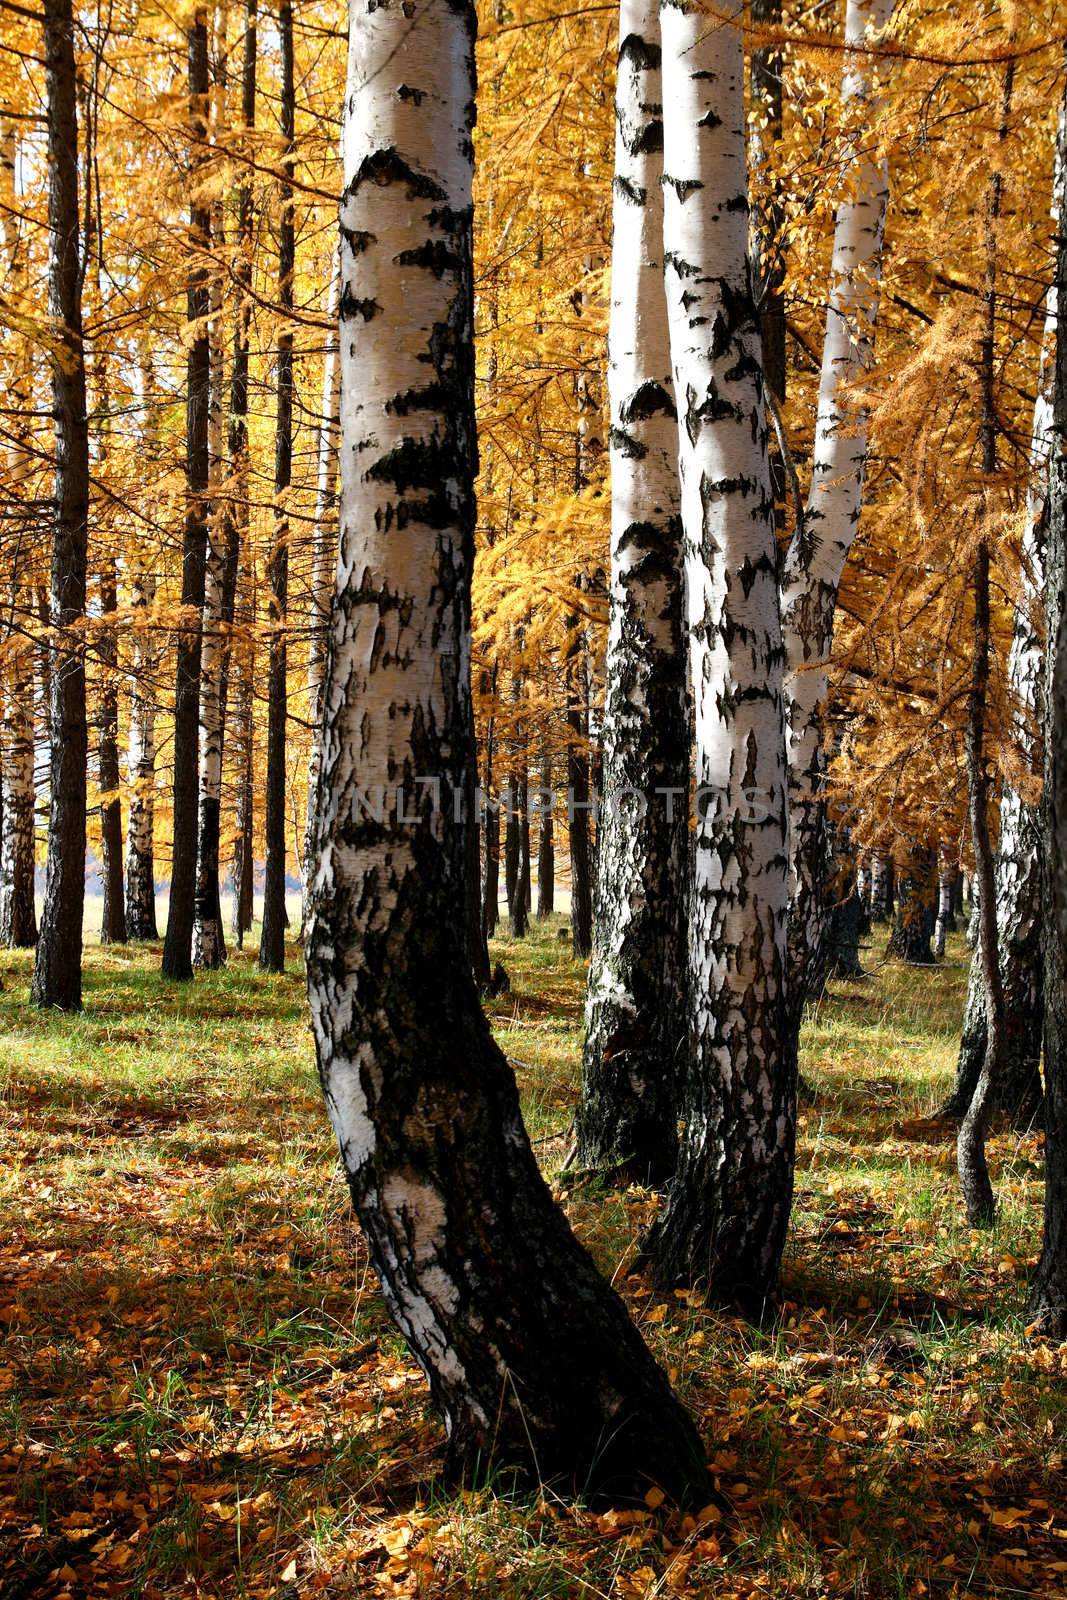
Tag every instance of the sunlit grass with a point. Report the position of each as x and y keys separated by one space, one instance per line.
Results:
x=197 y=1367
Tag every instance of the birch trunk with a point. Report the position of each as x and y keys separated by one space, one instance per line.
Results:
x=529 y=1354
x=324 y=551
x=272 y=938
x=820 y=545
x=728 y=1207
x=1018 y=872
x=546 y=842
x=18 y=916
x=140 y=822
x=1047 y=1306
x=178 y=944
x=57 y=969
x=635 y=1006
x=113 y=917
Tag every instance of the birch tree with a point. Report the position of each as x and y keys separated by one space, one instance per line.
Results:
x=821 y=543
x=18 y=916
x=635 y=1009
x=1048 y=1291
x=57 y=968
x=727 y=1210
x=141 y=764
x=1019 y=849
x=529 y=1354
x=178 y=945
x=272 y=937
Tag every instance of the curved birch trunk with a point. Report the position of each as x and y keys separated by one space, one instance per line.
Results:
x=635 y=1006
x=140 y=822
x=529 y=1354
x=728 y=1207
x=820 y=546
x=1047 y=1305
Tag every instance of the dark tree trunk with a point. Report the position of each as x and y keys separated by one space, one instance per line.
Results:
x=916 y=893
x=479 y=947
x=57 y=969
x=113 y=922
x=272 y=939
x=512 y=847
x=209 y=937
x=1048 y=1292
x=529 y=1354
x=178 y=943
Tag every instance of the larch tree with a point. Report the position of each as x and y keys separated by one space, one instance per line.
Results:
x=824 y=536
x=57 y=968
x=635 y=1009
x=272 y=938
x=178 y=943
x=529 y=1354
x=1047 y=1305
x=727 y=1210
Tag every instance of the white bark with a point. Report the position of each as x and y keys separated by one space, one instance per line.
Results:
x=729 y=1203
x=820 y=546
x=140 y=868
x=324 y=550
x=18 y=921
x=635 y=1023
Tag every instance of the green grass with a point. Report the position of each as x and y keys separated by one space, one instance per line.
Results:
x=199 y=1387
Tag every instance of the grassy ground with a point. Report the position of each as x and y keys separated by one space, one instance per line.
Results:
x=199 y=1393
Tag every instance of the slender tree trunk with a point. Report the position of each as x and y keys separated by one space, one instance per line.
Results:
x=178 y=944
x=546 y=843
x=820 y=545
x=113 y=921
x=57 y=969
x=635 y=1006
x=491 y=830
x=1018 y=871
x=579 y=803
x=529 y=1354
x=970 y=1144
x=18 y=916
x=140 y=824
x=1048 y=1292
x=243 y=852
x=272 y=939
x=728 y=1206
x=881 y=891
x=946 y=916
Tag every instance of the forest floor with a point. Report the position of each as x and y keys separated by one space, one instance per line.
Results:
x=200 y=1394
